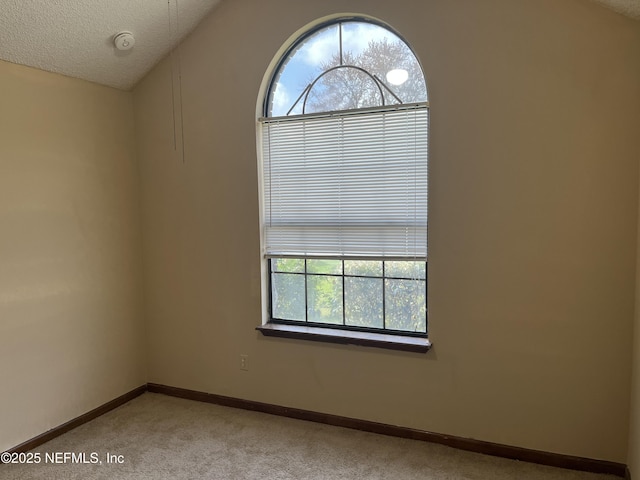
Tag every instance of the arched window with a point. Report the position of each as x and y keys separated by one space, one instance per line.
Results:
x=344 y=182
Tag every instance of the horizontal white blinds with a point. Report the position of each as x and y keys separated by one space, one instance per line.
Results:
x=346 y=184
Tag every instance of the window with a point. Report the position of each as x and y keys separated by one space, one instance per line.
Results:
x=343 y=142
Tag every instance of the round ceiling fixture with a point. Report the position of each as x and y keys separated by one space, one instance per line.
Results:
x=124 y=41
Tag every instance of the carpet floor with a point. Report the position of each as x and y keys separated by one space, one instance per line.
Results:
x=160 y=438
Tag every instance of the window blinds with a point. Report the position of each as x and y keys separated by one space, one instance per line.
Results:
x=346 y=184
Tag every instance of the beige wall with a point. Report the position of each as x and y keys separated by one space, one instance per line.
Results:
x=533 y=213
x=70 y=298
x=633 y=456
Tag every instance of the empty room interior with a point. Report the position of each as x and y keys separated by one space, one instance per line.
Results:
x=134 y=254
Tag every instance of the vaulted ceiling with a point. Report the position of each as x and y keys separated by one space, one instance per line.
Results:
x=75 y=37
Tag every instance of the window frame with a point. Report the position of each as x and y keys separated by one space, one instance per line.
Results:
x=327 y=332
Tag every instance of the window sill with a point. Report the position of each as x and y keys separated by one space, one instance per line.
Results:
x=347 y=337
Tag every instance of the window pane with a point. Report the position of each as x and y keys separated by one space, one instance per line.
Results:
x=324 y=266
x=387 y=57
x=288 y=296
x=365 y=268
x=317 y=52
x=405 y=269
x=380 y=53
x=291 y=265
x=406 y=305
x=324 y=295
x=363 y=302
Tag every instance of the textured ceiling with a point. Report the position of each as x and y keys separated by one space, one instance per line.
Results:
x=75 y=37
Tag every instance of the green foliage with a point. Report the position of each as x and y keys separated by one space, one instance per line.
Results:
x=324 y=296
x=287 y=296
x=292 y=265
x=324 y=266
x=404 y=294
x=363 y=302
x=366 y=268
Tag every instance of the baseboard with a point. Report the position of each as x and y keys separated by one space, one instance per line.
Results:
x=76 y=422
x=478 y=446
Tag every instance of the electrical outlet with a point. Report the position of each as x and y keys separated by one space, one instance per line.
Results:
x=244 y=362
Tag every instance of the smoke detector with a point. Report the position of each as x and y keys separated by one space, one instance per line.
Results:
x=124 y=41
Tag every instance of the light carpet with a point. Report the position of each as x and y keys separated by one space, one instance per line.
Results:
x=165 y=438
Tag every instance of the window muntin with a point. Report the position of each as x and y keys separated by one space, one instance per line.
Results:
x=352 y=294
x=344 y=144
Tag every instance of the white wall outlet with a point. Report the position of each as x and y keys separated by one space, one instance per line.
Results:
x=244 y=362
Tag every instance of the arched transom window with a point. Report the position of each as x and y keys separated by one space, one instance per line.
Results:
x=343 y=168
x=345 y=65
